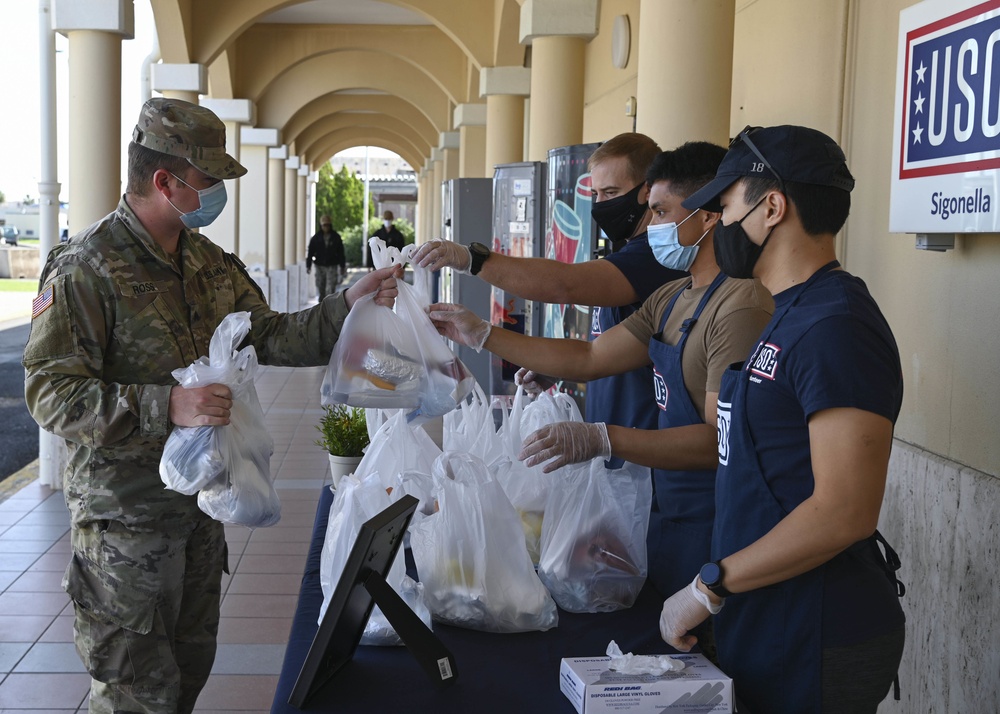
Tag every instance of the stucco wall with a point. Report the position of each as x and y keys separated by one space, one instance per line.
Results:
x=605 y=88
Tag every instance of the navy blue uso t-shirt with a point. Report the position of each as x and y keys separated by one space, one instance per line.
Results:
x=627 y=399
x=833 y=348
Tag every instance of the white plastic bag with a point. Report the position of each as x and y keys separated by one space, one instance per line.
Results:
x=354 y=502
x=528 y=487
x=471 y=558
x=397 y=446
x=471 y=429
x=394 y=358
x=230 y=465
x=593 y=555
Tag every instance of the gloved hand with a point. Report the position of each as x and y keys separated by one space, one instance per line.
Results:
x=437 y=254
x=569 y=442
x=682 y=612
x=530 y=381
x=382 y=280
x=459 y=323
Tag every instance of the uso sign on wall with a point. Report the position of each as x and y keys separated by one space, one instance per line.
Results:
x=946 y=140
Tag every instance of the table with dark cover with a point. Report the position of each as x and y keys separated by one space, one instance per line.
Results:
x=497 y=673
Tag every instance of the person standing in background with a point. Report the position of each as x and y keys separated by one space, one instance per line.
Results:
x=326 y=250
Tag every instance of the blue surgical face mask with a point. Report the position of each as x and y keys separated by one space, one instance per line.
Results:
x=665 y=243
x=212 y=200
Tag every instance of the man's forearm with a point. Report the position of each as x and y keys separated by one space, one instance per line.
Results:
x=678 y=448
x=566 y=358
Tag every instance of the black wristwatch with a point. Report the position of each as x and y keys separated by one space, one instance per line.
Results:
x=480 y=253
x=711 y=576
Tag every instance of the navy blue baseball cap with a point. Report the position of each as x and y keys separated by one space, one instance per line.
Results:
x=787 y=153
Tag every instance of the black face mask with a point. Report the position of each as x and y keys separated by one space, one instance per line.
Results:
x=619 y=216
x=735 y=253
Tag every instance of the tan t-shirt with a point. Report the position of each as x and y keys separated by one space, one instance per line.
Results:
x=726 y=331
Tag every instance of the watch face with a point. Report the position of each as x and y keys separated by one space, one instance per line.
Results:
x=710 y=574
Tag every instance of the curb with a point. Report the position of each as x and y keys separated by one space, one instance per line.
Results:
x=18 y=480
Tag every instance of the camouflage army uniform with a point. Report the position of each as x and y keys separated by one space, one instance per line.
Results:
x=147 y=563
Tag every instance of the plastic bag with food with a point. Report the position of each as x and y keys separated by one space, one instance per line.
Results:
x=394 y=358
x=593 y=550
x=228 y=466
x=471 y=558
x=356 y=501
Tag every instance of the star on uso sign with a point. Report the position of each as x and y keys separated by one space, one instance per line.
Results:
x=946 y=139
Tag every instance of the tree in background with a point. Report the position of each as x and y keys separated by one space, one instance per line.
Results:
x=3 y=198
x=341 y=195
x=352 y=237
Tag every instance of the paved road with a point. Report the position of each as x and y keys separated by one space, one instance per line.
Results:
x=18 y=432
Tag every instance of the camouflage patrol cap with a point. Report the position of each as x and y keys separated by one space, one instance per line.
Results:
x=179 y=128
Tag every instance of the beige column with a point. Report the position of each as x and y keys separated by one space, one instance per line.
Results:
x=276 y=207
x=693 y=104
x=95 y=29
x=437 y=176
x=180 y=81
x=253 y=213
x=302 y=217
x=505 y=89
x=470 y=120
x=450 y=142
x=291 y=209
x=557 y=40
x=424 y=202
x=235 y=114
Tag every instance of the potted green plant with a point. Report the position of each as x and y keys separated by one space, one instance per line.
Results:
x=344 y=434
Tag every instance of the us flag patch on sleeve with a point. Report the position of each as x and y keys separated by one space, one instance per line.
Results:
x=43 y=302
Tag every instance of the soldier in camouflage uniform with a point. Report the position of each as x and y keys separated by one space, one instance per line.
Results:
x=128 y=300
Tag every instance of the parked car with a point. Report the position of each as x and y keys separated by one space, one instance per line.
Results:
x=9 y=234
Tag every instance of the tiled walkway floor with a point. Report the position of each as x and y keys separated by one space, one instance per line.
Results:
x=40 y=671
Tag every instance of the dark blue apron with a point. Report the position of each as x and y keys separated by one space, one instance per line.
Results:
x=621 y=399
x=769 y=640
x=680 y=524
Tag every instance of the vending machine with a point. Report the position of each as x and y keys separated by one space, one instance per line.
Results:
x=571 y=236
x=518 y=230
x=467 y=217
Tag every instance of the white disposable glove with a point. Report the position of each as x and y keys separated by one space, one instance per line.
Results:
x=682 y=612
x=533 y=383
x=566 y=442
x=459 y=323
x=437 y=254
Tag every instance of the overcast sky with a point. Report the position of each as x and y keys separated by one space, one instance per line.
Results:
x=20 y=155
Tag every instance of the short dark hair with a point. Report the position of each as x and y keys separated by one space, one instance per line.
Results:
x=143 y=163
x=639 y=149
x=821 y=209
x=687 y=168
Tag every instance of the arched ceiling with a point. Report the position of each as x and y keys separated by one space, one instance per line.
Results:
x=386 y=71
x=330 y=104
x=315 y=133
x=346 y=138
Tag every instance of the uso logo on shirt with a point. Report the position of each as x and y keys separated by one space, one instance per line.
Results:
x=765 y=361
x=595 y=321
x=723 y=417
x=660 y=391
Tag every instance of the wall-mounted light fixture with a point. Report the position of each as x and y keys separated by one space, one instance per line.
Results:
x=621 y=41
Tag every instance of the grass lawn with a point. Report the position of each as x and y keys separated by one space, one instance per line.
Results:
x=11 y=285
